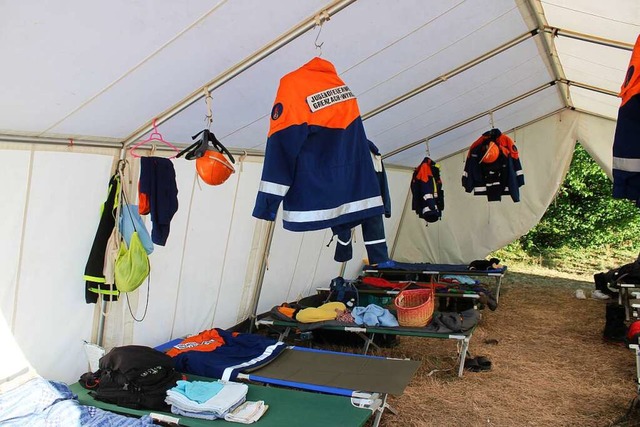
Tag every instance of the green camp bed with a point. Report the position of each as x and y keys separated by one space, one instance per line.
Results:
x=367 y=333
x=285 y=406
x=424 y=272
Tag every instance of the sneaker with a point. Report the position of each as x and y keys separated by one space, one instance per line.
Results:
x=580 y=294
x=598 y=294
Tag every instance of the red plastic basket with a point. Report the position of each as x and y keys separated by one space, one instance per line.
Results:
x=415 y=307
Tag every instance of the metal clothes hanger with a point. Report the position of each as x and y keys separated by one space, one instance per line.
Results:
x=154 y=136
x=320 y=19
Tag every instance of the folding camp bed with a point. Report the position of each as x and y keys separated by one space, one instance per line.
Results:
x=381 y=292
x=628 y=298
x=367 y=333
x=423 y=272
x=285 y=406
x=366 y=380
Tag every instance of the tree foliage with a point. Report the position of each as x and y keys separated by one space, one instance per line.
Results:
x=583 y=214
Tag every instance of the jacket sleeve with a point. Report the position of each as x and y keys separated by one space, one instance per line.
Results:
x=287 y=134
x=467 y=176
x=381 y=173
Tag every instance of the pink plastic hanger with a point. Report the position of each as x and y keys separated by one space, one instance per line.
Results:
x=154 y=136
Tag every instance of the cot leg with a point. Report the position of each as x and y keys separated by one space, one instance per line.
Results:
x=367 y=342
x=383 y=406
x=463 y=355
x=623 y=298
x=638 y=369
x=284 y=333
x=498 y=284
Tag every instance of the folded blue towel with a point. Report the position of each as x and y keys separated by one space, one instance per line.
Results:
x=198 y=391
x=374 y=315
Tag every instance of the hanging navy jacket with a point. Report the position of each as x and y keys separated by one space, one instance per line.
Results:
x=426 y=189
x=493 y=177
x=318 y=160
x=626 y=145
x=158 y=182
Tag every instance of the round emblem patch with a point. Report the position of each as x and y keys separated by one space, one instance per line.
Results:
x=276 y=112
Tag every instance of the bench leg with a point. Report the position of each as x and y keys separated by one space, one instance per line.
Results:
x=463 y=355
x=498 y=284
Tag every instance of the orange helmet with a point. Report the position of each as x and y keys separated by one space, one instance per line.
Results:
x=214 y=168
x=492 y=153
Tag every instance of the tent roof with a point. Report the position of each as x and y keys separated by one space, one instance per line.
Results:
x=104 y=71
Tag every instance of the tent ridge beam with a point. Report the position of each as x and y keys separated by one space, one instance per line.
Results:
x=556 y=31
x=537 y=13
x=284 y=39
x=470 y=119
x=52 y=140
x=446 y=76
x=590 y=87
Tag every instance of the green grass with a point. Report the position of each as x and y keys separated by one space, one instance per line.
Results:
x=584 y=261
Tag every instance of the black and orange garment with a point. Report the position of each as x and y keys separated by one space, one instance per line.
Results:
x=626 y=145
x=222 y=354
x=493 y=167
x=426 y=189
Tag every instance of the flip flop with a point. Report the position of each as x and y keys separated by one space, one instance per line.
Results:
x=483 y=363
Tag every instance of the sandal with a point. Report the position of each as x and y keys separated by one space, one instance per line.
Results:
x=471 y=364
x=483 y=363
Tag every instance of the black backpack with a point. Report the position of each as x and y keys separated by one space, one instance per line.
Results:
x=133 y=376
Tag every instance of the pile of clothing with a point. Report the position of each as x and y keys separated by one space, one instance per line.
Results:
x=336 y=312
x=213 y=400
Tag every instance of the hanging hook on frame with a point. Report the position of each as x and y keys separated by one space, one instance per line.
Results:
x=426 y=143
x=208 y=119
x=320 y=19
x=491 y=120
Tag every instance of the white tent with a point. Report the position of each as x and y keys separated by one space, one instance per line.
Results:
x=81 y=81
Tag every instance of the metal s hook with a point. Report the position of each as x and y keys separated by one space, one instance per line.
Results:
x=208 y=119
x=320 y=19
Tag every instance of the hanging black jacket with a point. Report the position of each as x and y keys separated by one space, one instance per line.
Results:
x=93 y=272
x=426 y=189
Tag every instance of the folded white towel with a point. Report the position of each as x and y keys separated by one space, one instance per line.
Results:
x=247 y=413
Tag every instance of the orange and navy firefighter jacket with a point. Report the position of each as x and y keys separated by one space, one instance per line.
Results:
x=503 y=176
x=426 y=188
x=317 y=158
x=626 y=144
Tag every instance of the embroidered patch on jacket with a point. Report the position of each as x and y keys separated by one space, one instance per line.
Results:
x=276 y=111
x=326 y=98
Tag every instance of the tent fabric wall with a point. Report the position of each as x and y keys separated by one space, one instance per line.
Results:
x=471 y=227
x=596 y=134
x=54 y=201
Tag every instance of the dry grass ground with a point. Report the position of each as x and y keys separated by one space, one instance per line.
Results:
x=550 y=366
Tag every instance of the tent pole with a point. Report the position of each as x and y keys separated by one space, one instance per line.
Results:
x=470 y=119
x=535 y=9
x=260 y=280
x=103 y=306
x=446 y=76
x=555 y=31
x=240 y=67
x=591 y=88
